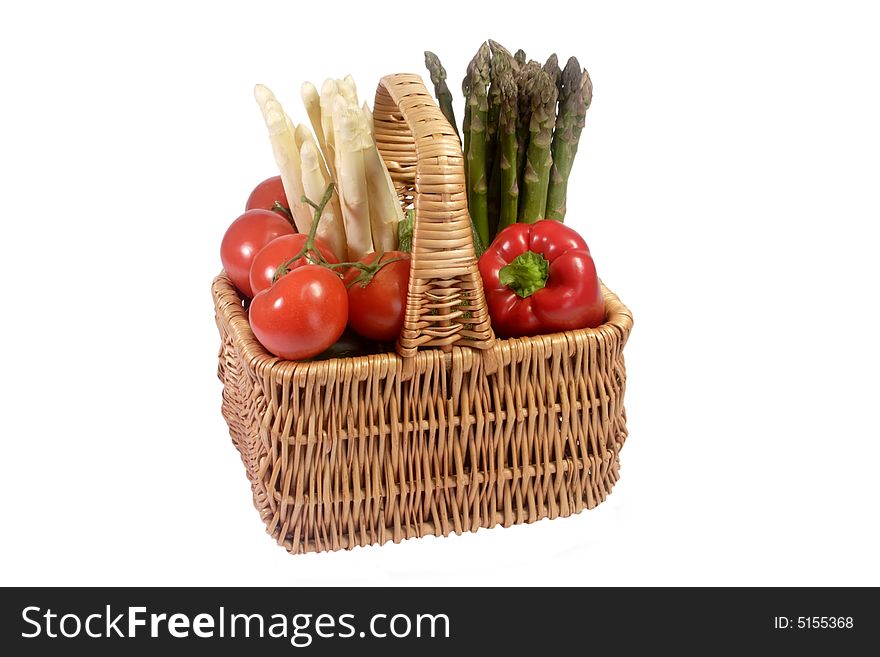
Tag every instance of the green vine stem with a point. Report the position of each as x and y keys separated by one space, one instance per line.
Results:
x=280 y=209
x=313 y=255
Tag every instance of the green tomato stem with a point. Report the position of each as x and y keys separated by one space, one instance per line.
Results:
x=309 y=250
x=314 y=255
x=369 y=271
x=280 y=209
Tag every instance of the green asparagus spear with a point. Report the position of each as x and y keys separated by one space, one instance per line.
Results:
x=466 y=125
x=441 y=90
x=542 y=95
x=494 y=99
x=577 y=93
x=551 y=66
x=524 y=116
x=479 y=246
x=501 y=65
x=501 y=61
x=493 y=196
x=507 y=147
x=477 y=173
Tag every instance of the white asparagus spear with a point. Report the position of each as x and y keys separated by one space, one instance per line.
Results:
x=385 y=209
x=351 y=178
x=303 y=134
x=281 y=135
x=329 y=92
x=331 y=227
x=303 y=137
x=299 y=135
x=348 y=90
x=312 y=101
x=369 y=114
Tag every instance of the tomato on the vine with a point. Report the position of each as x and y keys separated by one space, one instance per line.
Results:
x=244 y=238
x=267 y=194
x=279 y=251
x=377 y=300
x=301 y=314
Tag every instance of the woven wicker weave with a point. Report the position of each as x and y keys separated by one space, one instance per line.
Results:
x=454 y=432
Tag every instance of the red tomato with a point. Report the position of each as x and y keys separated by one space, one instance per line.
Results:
x=266 y=194
x=376 y=309
x=302 y=314
x=248 y=234
x=279 y=251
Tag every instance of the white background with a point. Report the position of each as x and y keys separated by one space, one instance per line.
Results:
x=727 y=184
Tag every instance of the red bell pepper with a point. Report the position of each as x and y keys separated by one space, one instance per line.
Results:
x=540 y=278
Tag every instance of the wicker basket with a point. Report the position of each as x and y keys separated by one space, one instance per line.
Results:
x=455 y=431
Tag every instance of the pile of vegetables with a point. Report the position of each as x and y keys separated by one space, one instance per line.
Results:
x=302 y=297
x=320 y=255
x=520 y=133
x=324 y=278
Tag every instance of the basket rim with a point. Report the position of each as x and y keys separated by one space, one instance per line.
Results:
x=228 y=303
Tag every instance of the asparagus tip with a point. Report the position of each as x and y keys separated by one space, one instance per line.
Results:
x=478 y=69
x=555 y=73
x=435 y=68
x=587 y=86
x=496 y=47
x=571 y=72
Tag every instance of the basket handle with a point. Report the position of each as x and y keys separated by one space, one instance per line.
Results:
x=446 y=306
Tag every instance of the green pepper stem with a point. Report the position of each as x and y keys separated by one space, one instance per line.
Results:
x=525 y=274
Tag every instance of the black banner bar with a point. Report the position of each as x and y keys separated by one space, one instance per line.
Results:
x=319 y=621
